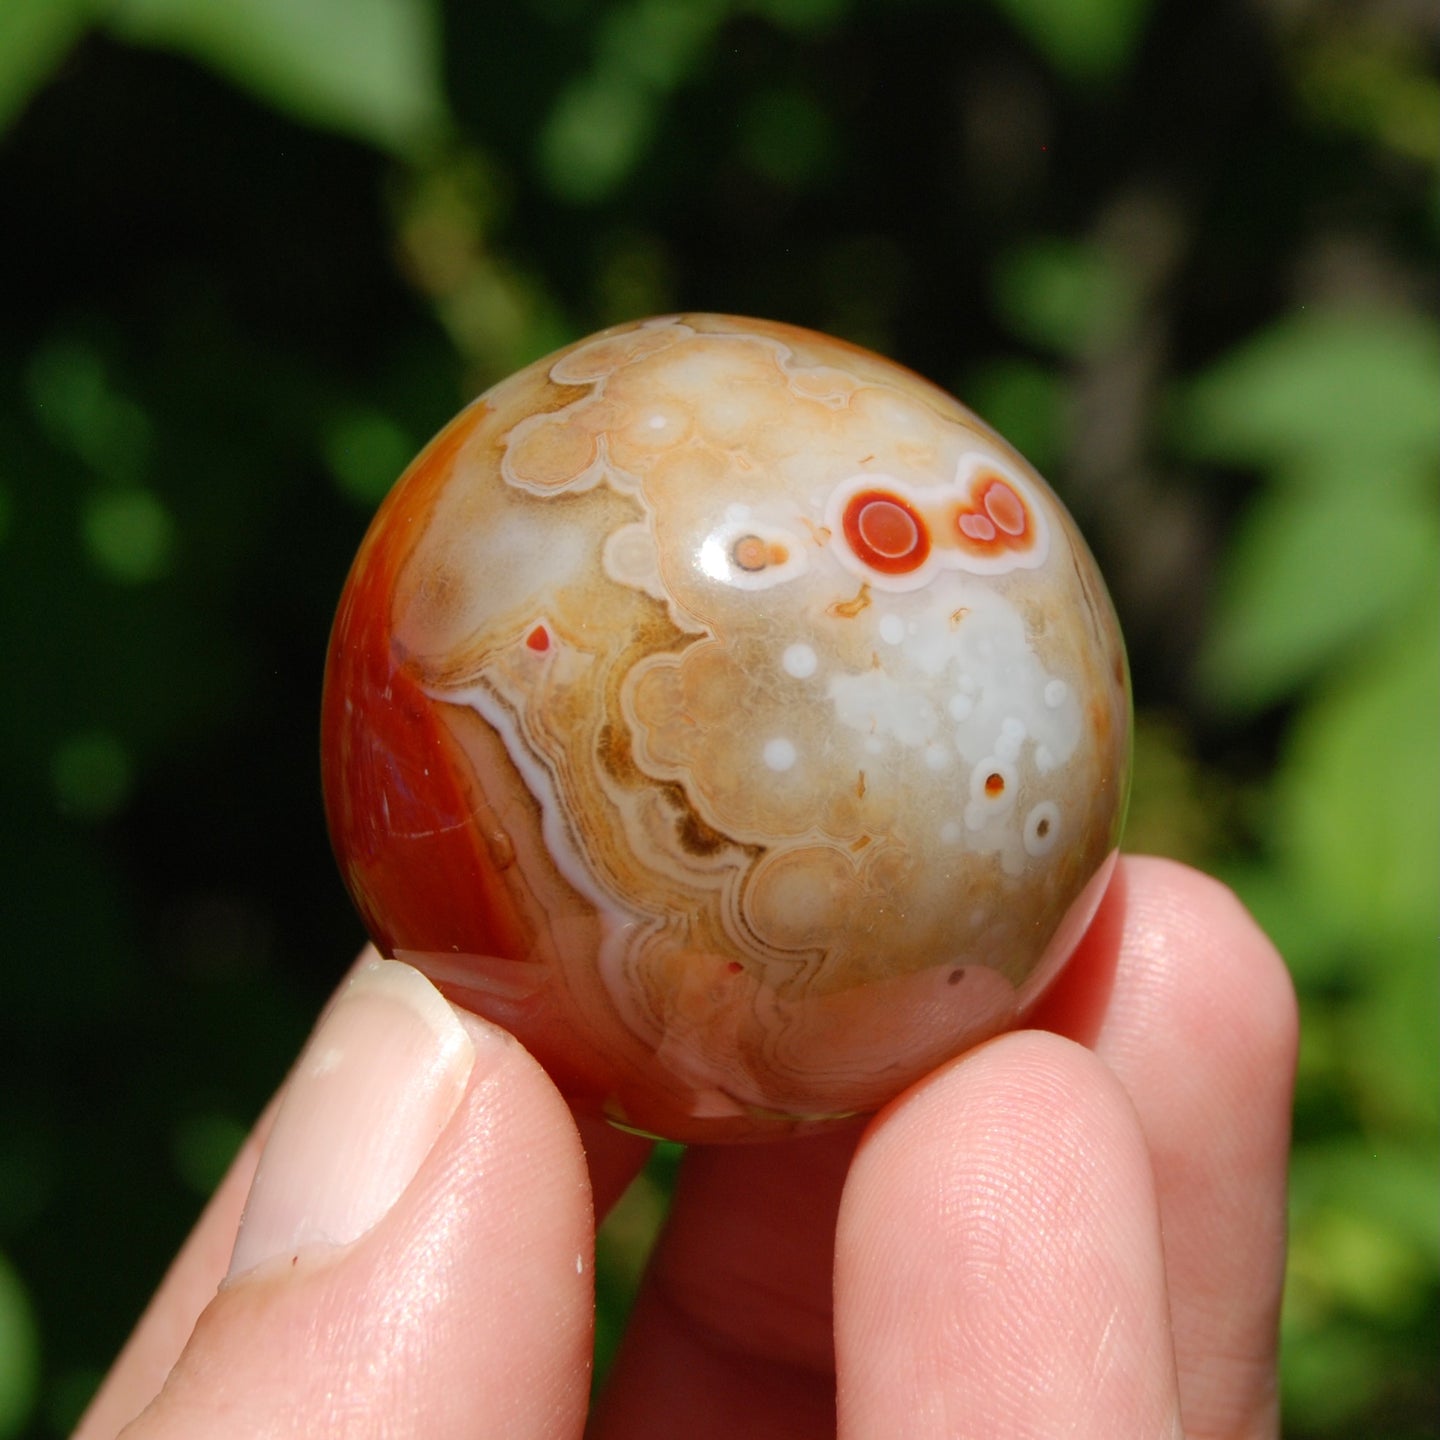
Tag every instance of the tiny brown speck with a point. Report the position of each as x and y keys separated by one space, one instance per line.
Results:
x=955 y=976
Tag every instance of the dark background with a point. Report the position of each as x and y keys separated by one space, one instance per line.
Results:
x=252 y=256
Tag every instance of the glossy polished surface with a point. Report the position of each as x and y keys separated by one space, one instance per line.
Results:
x=731 y=715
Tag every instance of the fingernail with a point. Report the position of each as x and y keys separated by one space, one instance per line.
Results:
x=370 y=1095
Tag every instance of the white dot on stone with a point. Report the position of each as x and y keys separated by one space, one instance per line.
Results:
x=961 y=707
x=1055 y=693
x=937 y=757
x=799 y=661
x=779 y=753
x=874 y=745
x=1007 y=744
x=1044 y=759
x=656 y=422
x=950 y=832
x=892 y=629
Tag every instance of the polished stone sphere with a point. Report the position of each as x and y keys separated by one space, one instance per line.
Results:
x=731 y=715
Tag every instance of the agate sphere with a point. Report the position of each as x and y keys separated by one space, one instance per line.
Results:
x=732 y=716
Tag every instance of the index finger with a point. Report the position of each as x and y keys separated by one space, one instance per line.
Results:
x=194 y=1277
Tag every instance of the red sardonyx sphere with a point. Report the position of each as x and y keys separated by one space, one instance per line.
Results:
x=732 y=716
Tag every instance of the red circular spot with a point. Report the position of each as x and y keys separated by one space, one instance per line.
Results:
x=886 y=532
x=538 y=639
x=1005 y=508
x=994 y=784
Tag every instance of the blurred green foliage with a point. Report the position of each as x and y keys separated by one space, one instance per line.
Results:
x=260 y=249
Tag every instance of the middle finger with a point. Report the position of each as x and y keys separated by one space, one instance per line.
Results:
x=732 y=1332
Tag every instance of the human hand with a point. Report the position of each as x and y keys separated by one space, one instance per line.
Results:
x=1076 y=1229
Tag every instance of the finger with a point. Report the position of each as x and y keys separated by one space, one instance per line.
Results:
x=1188 y=1003
x=732 y=1331
x=998 y=1261
x=415 y=1254
x=188 y=1287
x=195 y=1275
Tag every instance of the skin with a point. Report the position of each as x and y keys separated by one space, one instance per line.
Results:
x=1075 y=1229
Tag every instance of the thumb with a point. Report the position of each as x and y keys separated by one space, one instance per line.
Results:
x=414 y=1257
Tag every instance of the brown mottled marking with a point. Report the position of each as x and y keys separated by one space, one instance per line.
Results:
x=612 y=750
x=860 y=785
x=849 y=609
x=696 y=836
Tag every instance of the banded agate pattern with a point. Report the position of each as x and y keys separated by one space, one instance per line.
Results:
x=733 y=716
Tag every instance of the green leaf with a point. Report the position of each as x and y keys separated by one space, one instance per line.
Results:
x=594 y=136
x=1085 y=40
x=1388 y=1038
x=35 y=36
x=1314 y=955
x=1355 y=806
x=368 y=68
x=203 y=1147
x=1309 y=575
x=19 y=1352
x=1066 y=296
x=1351 y=393
x=1027 y=403
x=72 y=396
x=1390 y=1183
x=93 y=774
x=801 y=16
x=366 y=451
x=657 y=43
x=130 y=534
x=603 y=121
x=786 y=136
